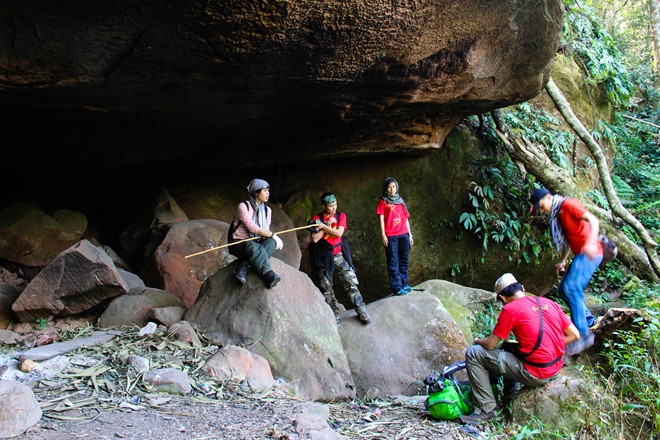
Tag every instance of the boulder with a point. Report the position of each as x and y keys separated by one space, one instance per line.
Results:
x=31 y=237
x=233 y=363
x=134 y=309
x=208 y=86
x=409 y=337
x=289 y=325
x=80 y=278
x=461 y=302
x=565 y=404
x=19 y=409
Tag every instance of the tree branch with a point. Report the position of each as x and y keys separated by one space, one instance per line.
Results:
x=603 y=170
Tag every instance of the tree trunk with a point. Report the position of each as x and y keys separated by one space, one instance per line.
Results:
x=654 y=16
x=603 y=170
x=558 y=180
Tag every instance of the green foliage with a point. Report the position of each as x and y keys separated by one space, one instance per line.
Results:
x=526 y=432
x=633 y=357
x=484 y=321
x=539 y=126
x=493 y=211
x=608 y=280
x=637 y=172
x=628 y=24
x=597 y=52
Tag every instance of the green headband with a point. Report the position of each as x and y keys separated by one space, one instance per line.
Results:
x=330 y=198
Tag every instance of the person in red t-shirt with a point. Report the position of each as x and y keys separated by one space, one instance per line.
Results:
x=573 y=229
x=330 y=255
x=397 y=238
x=540 y=353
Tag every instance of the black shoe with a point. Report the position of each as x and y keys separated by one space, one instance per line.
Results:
x=271 y=279
x=242 y=272
x=363 y=316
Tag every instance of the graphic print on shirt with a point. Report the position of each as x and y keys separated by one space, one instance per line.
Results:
x=397 y=219
x=536 y=309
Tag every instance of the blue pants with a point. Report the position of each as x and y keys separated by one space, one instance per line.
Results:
x=397 y=252
x=571 y=290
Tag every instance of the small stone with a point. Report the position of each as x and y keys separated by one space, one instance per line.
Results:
x=27 y=365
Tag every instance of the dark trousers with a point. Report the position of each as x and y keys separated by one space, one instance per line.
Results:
x=397 y=252
x=256 y=252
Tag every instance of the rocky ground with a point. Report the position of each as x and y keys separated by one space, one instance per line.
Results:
x=236 y=417
x=90 y=393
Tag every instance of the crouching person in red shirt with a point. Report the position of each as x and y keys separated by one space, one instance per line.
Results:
x=542 y=330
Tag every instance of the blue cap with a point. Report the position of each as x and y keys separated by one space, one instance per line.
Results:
x=536 y=197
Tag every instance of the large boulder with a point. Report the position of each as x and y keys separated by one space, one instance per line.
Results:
x=289 y=325
x=226 y=81
x=566 y=404
x=174 y=267
x=462 y=302
x=409 y=337
x=80 y=278
x=31 y=237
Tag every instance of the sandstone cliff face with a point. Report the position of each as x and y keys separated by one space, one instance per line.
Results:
x=143 y=83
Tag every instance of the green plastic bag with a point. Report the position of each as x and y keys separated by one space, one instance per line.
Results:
x=451 y=402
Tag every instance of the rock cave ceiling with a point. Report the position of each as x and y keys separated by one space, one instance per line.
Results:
x=108 y=87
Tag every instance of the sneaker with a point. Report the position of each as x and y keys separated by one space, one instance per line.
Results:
x=271 y=279
x=482 y=417
x=582 y=344
x=242 y=272
x=407 y=288
x=362 y=314
x=402 y=291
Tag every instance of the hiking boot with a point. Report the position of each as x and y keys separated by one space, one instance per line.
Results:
x=402 y=291
x=407 y=288
x=362 y=314
x=482 y=417
x=271 y=279
x=582 y=344
x=242 y=272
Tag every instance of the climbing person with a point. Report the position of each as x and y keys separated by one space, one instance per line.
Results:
x=253 y=219
x=330 y=255
x=395 y=232
x=573 y=229
x=542 y=330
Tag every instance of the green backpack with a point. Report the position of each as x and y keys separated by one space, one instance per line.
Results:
x=448 y=397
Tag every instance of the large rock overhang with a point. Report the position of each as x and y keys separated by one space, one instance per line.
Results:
x=134 y=84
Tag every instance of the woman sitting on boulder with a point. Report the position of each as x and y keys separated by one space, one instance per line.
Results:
x=253 y=219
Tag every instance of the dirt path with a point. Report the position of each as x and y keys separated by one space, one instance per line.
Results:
x=237 y=417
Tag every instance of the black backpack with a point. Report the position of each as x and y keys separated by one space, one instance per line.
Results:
x=235 y=222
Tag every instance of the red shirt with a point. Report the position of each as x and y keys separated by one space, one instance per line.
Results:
x=395 y=217
x=334 y=241
x=576 y=229
x=521 y=317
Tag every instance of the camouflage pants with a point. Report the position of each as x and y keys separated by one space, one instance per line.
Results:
x=348 y=279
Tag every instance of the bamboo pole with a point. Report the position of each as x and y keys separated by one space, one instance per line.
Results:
x=248 y=239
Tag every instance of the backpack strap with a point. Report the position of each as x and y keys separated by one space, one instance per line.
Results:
x=234 y=223
x=523 y=356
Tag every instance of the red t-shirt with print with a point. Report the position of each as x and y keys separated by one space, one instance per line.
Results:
x=522 y=317
x=334 y=241
x=395 y=217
